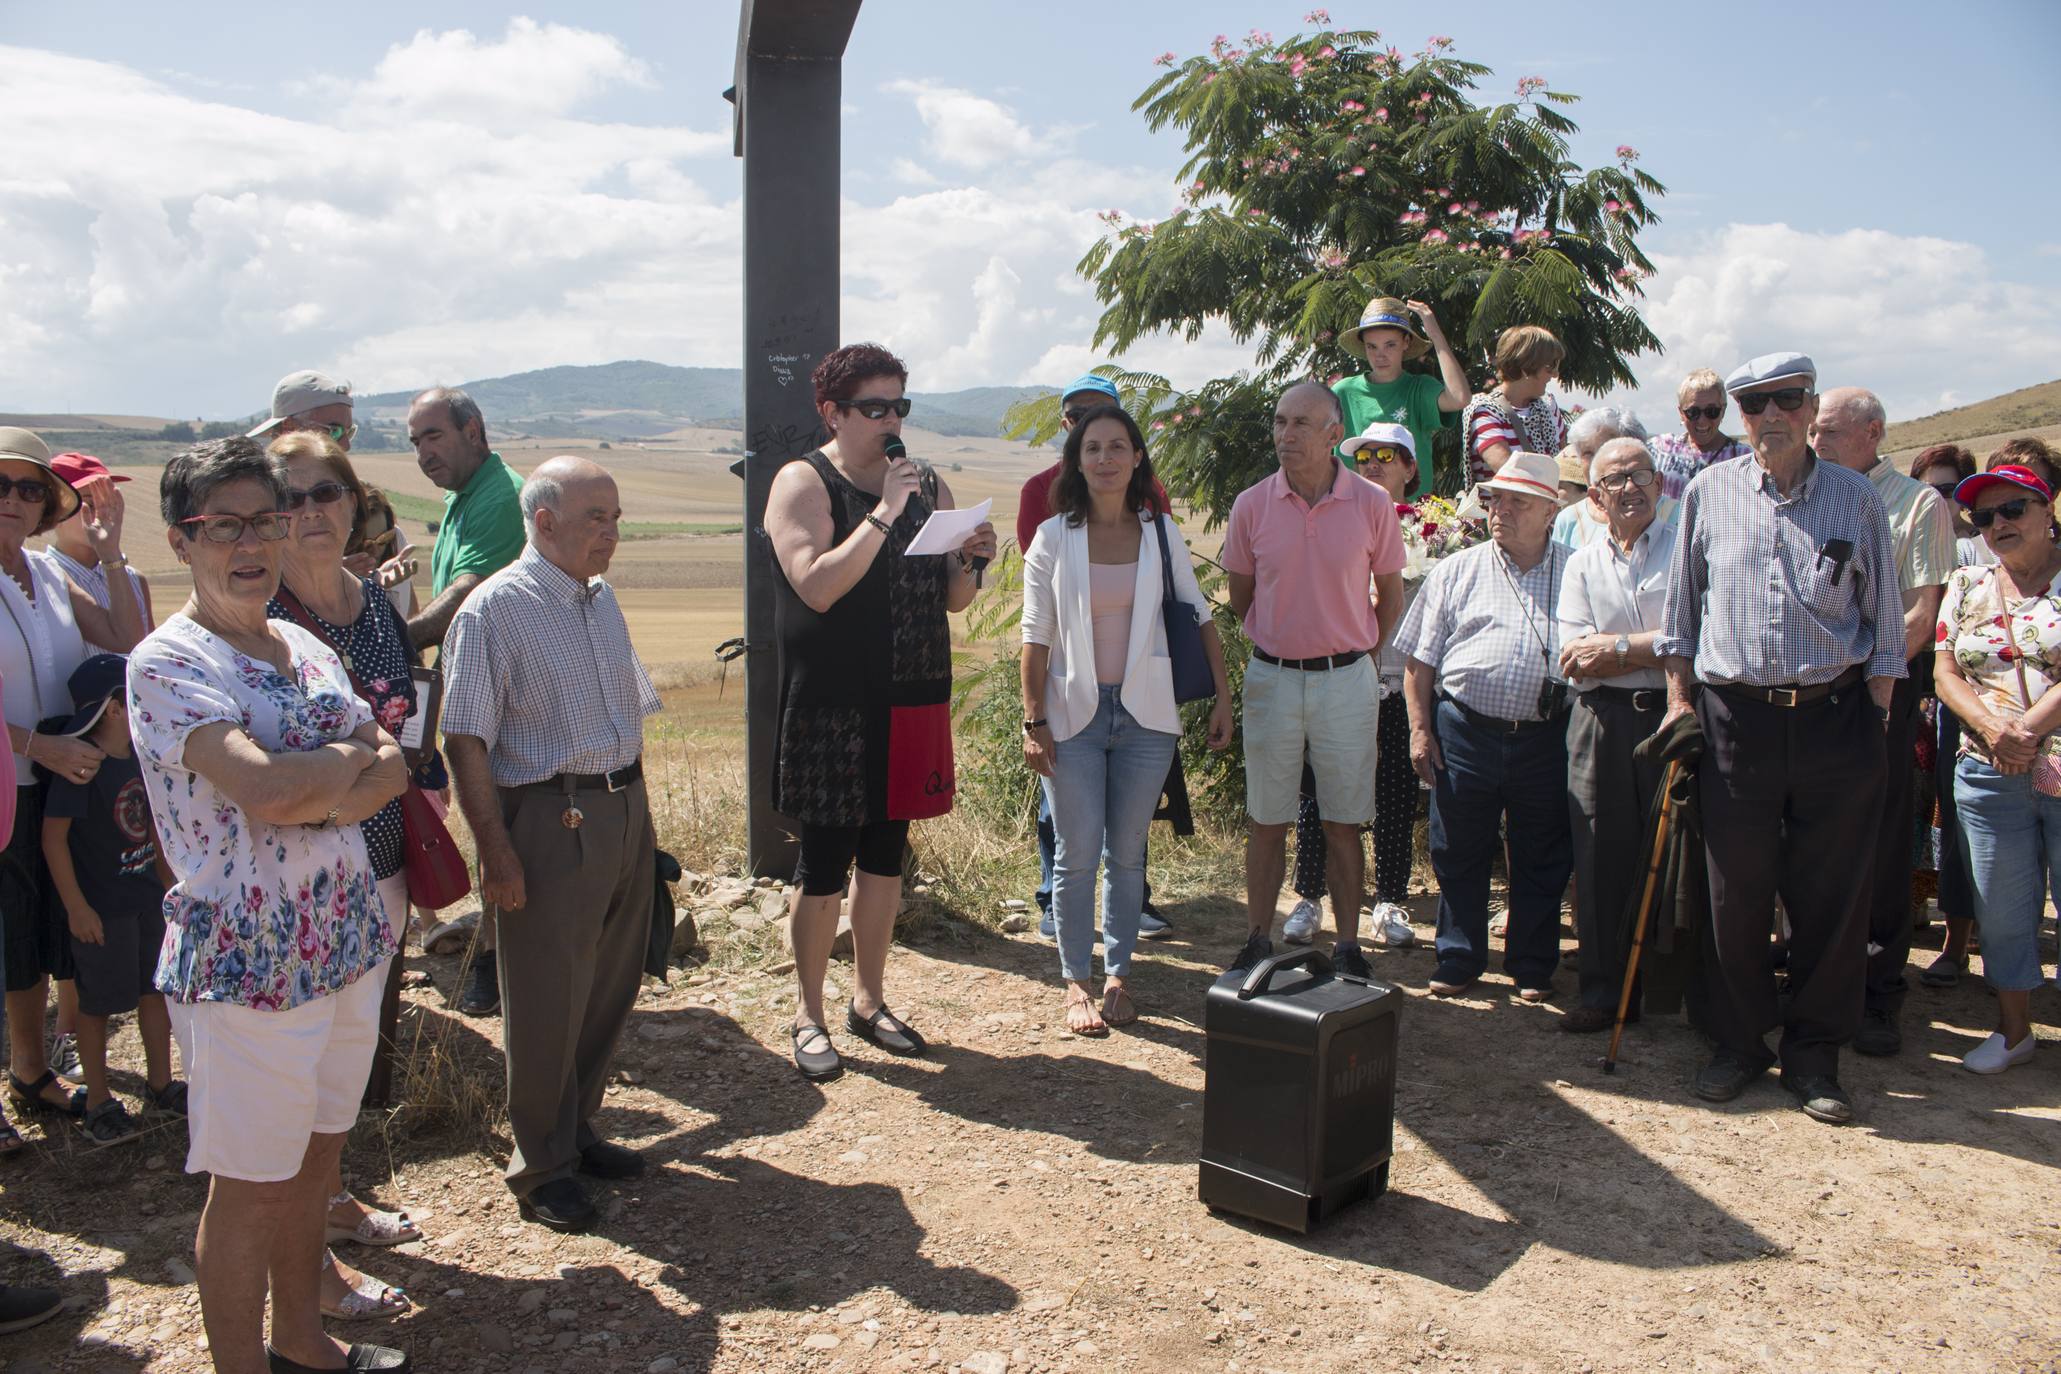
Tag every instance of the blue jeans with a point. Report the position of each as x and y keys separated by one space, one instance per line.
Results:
x=1490 y=775
x=2014 y=856
x=1105 y=783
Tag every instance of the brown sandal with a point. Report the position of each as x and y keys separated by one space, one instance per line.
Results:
x=1079 y=1010
x=1117 y=1007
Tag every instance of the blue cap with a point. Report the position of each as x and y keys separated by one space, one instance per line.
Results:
x=1772 y=367
x=92 y=683
x=1089 y=381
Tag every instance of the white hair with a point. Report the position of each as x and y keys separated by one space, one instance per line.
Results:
x=540 y=492
x=1605 y=422
x=1863 y=406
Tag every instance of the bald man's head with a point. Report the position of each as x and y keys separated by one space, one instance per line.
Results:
x=1849 y=427
x=573 y=514
x=1308 y=423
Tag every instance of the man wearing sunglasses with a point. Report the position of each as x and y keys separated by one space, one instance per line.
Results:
x=309 y=400
x=1848 y=431
x=1034 y=508
x=1700 y=400
x=1783 y=604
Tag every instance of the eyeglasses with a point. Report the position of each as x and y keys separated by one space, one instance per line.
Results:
x=342 y=434
x=269 y=526
x=32 y=489
x=1075 y=414
x=1385 y=455
x=2010 y=510
x=322 y=494
x=877 y=409
x=1716 y=412
x=1945 y=489
x=1638 y=477
x=1788 y=398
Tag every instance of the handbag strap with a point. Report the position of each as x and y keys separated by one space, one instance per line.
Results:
x=306 y=621
x=1166 y=560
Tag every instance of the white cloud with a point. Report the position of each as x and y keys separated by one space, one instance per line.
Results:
x=968 y=130
x=1917 y=320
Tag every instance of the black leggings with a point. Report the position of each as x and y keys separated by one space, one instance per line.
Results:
x=827 y=852
x=1395 y=814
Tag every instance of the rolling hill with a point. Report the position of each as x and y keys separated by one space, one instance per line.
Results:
x=2027 y=410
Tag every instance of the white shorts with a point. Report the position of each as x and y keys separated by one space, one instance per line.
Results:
x=260 y=1083
x=1330 y=716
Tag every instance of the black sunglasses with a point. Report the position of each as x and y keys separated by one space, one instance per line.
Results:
x=28 y=488
x=2010 y=510
x=877 y=409
x=1945 y=489
x=1788 y=398
x=322 y=494
x=1716 y=412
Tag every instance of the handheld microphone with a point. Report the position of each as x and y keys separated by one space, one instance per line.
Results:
x=895 y=451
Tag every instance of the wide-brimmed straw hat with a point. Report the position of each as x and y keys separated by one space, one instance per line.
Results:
x=20 y=446
x=1386 y=312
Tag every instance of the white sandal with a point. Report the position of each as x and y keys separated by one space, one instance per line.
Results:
x=370 y=1298
x=374 y=1228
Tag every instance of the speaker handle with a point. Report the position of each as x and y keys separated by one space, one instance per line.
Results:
x=1263 y=972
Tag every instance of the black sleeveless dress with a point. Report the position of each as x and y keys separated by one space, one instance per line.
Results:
x=866 y=686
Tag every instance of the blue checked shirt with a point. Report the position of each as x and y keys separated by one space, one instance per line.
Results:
x=540 y=667
x=1754 y=597
x=1489 y=631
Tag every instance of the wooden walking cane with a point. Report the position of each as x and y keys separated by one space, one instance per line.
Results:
x=1631 y=972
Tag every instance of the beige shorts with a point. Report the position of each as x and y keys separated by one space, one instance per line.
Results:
x=1328 y=714
x=260 y=1083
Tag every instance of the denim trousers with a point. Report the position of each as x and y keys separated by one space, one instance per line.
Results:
x=1105 y=784
x=2014 y=856
x=1487 y=777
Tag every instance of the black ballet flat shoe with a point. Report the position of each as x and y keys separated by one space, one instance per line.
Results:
x=384 y=1359
x=818 y=1066
x=904 y=1040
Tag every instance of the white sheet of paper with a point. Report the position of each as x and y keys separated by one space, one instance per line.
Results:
x=946 y=530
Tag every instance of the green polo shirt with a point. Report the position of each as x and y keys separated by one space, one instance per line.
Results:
x=482 y=529
x=1411 y=401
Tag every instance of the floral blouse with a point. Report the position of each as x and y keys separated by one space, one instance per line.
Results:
x=262 y=916
x=1989 y=641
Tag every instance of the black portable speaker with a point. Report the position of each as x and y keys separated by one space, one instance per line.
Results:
x=1298 y=1101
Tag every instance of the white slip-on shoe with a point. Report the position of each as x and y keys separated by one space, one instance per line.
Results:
x=1993 y=1056
x=1301 y=926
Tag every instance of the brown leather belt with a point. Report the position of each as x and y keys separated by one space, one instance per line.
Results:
x=1789 y=694
x=590 y=782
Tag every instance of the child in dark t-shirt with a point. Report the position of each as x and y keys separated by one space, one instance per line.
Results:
x=101 y=846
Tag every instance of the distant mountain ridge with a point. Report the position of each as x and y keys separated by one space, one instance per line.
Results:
x=638 y=399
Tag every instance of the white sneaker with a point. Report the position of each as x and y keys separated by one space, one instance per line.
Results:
x=1389 y=927
x=1499 y=924
x=64 y=1055
x=1301 y=925
x=1991 y=1056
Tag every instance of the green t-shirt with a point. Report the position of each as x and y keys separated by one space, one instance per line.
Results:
x=1411 y=400
x=482 y=528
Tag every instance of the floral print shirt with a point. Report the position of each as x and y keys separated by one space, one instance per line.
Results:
x=1989 y=640
x=262 y=916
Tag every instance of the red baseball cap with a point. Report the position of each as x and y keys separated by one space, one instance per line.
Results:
x=82 y=467
x=2009 y=474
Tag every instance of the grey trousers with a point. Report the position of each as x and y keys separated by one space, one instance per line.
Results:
x=1608 y=795
x=571 y=960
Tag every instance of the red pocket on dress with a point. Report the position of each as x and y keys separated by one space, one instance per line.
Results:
x=920 y=781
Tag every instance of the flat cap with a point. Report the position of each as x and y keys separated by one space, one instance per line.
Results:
x=1772 y=367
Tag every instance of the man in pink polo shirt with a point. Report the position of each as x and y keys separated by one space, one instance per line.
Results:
x=1303 y=547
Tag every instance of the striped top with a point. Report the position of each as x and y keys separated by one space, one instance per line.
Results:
x=1759 y=594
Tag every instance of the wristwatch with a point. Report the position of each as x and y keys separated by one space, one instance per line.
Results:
x=1031 y=727
x=1623 y=647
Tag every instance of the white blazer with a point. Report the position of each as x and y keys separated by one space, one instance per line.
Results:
x=1056 y=613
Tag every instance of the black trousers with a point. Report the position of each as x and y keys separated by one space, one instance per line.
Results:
x=1792 y=801
x=1609 y=794
x=1395 y=813
x=1889 y=895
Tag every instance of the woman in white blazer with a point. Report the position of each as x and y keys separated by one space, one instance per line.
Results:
x=1099 y=719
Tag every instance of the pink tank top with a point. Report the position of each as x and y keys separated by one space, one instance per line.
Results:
x=1111 y=589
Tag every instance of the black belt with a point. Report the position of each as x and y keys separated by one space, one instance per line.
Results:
x=1638 y=698
x=1789 y=694
x=591 y=782
x=1497 y=723
x=1310 y=665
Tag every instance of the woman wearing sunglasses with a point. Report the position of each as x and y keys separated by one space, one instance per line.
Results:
x=352 y=615
x=1679 y=457
x=1999 y=657
x=260 y=760
x=46 y=622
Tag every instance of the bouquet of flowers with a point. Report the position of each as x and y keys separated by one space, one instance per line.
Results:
x=1432 y=528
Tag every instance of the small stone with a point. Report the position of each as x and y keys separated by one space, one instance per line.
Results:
x=1016 y=923
x=179 y=1272
x=822 y=1340
x=1085 y=1347
x=529 y=1302
x=852 y=1157
x=629 y=1076
x=664 y=1364
x=1016 y=904
x=561 y=1316
x=985 y=1362
x=494 y=1338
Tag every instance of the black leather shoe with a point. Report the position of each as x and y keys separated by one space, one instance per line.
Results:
x=1724 y=1078
x=481 y=995
x=1257 y=947
x=560 y=1204
x=606 y=1159
x=366 y=1357
x=1879 y=1034
x=897 y=1038
x=1585 y=1019
x=22 y=1307
x=818 y=1066
x=1821 y=1097
x=1350 y=961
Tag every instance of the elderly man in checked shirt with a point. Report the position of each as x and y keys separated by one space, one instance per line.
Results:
x=1783 y=603
x=544 y=721
x=1488 y=730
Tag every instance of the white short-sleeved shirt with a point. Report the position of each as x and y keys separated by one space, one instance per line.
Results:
x=262 y=916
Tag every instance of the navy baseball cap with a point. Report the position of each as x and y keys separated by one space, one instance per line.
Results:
x=92 y=683
x=1089 y=381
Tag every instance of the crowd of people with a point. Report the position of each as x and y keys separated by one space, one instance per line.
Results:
x=214 y=820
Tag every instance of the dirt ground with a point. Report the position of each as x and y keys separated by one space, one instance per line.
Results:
x=1025 y=1201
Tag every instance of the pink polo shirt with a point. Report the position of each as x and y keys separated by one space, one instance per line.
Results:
x=1312 y=566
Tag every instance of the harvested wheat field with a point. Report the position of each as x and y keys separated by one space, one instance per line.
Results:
x=1025 y=1201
